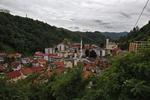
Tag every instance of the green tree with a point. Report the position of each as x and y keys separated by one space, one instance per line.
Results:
x=69 y=85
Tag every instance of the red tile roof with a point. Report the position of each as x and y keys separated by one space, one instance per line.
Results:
x=13 y=74
x=42 y=60
x=26 y=71
x=59 y=64
x=86 y=74
x=53 y=56
x=39 y=54
x=59 y=70
x=34 y=61
x=37 y=69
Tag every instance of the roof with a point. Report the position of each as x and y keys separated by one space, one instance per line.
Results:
x=2 y=68
x=38 y=54
x=59 y=64
x=41 y=60
x=59 y=70
x=26 y=71
x=36 y=69
x=18 y=54
x=2 y=54
x=53 y=56
x=86 y=74
x=34 y=61
x=15 y=64
x=13 y=74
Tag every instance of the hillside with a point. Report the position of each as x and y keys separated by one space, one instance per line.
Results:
x=114 y=35
x=27 y=35
x=136 y=34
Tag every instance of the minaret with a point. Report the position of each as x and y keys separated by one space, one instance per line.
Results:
x=81 y=49
x=107 y=43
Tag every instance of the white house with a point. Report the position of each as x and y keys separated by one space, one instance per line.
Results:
x=62 y=47
x=49 y=50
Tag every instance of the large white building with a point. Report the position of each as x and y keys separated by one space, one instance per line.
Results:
x=110 y=46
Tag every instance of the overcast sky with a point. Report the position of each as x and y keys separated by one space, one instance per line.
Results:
x=83 y=15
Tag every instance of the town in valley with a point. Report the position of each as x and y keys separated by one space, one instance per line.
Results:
x=54 y=60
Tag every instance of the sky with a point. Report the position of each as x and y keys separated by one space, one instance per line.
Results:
x=82 y=15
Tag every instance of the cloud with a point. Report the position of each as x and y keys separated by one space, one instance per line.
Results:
x=82 y=15
x=148 y=9
x=125 y=15
x=100 y=22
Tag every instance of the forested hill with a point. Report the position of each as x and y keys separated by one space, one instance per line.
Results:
x=136 y=34
x=114 y=35
x=26 y=35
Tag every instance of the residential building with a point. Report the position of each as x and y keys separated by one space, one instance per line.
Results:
x=110 y=46
x=49 y=50
x=138 y=45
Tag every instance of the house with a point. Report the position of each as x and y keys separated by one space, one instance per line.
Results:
x=49 y=50
x=102 y=53
x=51 y=57
x=138 y=45
x=37 y=69
x=15 y=55
x=42 y=62
x=98 y=51
x=91 y=65
x=16 y=65
x=26 y=72
x=60 y=67
x=115 y=51
x=110 y=46
x=68 y=63
x=86 y=74
x=86 y=46
x=59 y=70
x=14 y=75
x=2 y=68
x=62 y=47
x=2 y=57
x=22 y=73
x=25 y=60
x=35 y=63
x=59 y=64
x=38 y=55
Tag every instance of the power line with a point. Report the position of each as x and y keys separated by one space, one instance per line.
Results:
x=141 y=13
